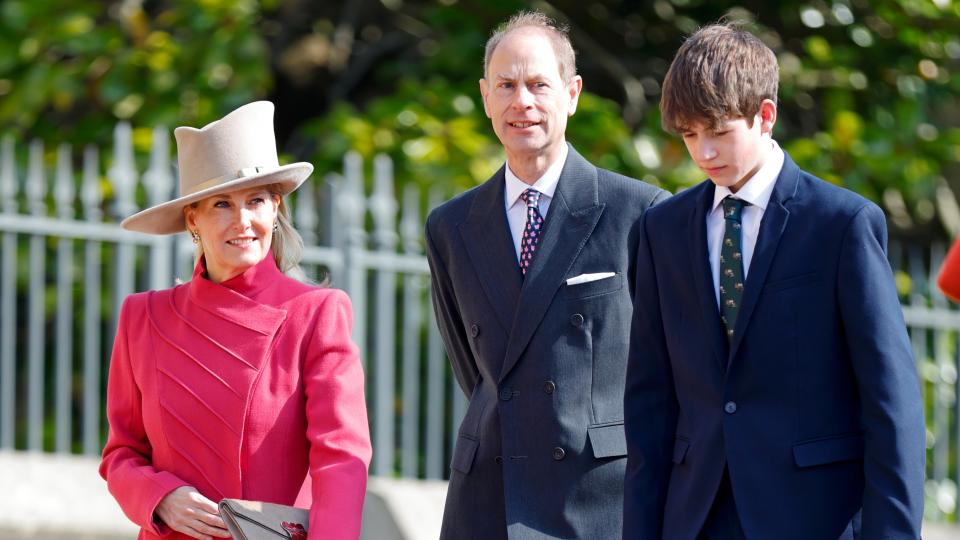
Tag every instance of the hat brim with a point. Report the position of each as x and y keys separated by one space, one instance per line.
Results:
x=167 y=218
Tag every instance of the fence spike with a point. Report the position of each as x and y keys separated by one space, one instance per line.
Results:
x=8 y=176
x=123 y=172
x=411 y=227
x=383 y=204
x=36 y=188
x=90 y=193
x=306 y=212
x=158 y=178
x=64 y=190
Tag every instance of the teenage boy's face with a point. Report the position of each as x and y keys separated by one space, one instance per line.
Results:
x=735 y=151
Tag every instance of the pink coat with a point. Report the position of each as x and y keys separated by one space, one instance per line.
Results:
x=249 y=389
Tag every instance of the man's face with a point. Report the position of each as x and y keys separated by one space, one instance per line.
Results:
x=731 y=154
x=525 y=97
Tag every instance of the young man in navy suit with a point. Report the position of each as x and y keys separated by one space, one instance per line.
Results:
x=771 y=391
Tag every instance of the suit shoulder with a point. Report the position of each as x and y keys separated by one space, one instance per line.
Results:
x=452 y=212
x=615 y=186
x=140 y=300
x=310 y=293
x=678 y=205
x=832 y=199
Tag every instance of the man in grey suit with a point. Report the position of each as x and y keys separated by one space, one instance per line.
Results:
x=532 y=276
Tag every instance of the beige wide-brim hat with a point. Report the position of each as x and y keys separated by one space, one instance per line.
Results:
x=237 y=152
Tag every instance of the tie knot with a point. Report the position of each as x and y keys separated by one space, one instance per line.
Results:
x=531 y=197
x=733 y=208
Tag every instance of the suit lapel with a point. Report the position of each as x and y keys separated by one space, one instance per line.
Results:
x=703 y=274
x=573 y=214
x=487 y=240
x=771 y=229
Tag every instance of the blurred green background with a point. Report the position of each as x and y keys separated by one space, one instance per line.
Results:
x=868 y=89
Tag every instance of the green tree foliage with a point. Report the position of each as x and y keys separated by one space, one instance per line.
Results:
x=868 y=95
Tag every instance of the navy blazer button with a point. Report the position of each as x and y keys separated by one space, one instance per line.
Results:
x=498 y=460
x=549 y=387
x=559 y=453
x=474 y=330
x=576 y=320
x=730 y=407
x=506 y=394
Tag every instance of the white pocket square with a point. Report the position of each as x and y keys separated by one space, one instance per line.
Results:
x=586 y=278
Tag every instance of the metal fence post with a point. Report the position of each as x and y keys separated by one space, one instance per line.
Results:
x=8 y=297
x=64 y=197
x=36 y=191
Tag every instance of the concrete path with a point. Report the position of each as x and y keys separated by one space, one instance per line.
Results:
x=51 y=497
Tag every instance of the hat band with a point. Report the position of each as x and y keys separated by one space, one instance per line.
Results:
x=213 y=182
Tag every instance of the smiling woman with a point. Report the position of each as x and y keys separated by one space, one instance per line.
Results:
x=243 y=383
x=234 y=230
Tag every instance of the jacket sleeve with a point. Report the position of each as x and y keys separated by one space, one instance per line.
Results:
x=448 y=320
x=126 y=463
x=879 y=349
x=650 y=406
x=337 y=426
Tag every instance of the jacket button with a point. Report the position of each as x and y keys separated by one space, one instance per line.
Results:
x=730 y=407
x=549 y=387
x=576 y=320
x=498 y=460
x=474 y=330
x=506 y=394
x=559 y=453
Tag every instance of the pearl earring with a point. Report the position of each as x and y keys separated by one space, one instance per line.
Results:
x=196 y=237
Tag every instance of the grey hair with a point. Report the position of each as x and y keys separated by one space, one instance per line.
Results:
x=557 y=33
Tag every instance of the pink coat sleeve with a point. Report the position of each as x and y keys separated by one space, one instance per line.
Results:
x=126 y=463
x=336 y=424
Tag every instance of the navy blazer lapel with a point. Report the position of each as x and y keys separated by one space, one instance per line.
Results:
x=771 y=229
x=573 y=214
x=703 y=273
x=487 y=239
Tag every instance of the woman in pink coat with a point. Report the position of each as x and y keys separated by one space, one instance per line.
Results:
x=242 y=383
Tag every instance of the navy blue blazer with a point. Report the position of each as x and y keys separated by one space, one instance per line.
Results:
x=814 y=405
x=541 y=452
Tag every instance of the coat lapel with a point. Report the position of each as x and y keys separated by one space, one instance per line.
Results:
x=703 y=274
x=574 y=212
x=771 y=229
x=487 y=240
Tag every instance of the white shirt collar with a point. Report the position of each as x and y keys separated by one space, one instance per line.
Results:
x=546 y=184
x=758 y=189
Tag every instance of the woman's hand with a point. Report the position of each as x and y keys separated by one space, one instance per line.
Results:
x=186 y=511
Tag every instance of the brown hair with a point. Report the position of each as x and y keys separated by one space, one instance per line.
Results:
x=720 y=72
x=557 y=34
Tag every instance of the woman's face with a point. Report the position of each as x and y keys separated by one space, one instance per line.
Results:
x=236 y=229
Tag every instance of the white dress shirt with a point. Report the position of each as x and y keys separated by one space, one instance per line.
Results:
x=756 y=191
x=515 y=205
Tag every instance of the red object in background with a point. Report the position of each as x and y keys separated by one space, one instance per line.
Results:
x=949 y=279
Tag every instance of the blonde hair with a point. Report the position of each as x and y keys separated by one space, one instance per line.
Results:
x=286 y=245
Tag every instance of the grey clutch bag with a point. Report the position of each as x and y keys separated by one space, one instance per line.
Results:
x=254 y=520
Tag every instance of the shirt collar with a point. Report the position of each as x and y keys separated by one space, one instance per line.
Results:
x=546 y=184
x=758 y=189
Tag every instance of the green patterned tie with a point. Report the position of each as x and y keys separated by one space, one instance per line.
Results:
x=731 y=264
